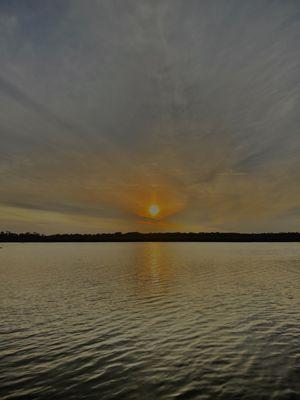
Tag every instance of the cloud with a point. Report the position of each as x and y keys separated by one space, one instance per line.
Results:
x=107 y=104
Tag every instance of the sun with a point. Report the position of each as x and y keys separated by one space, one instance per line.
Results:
x=154 y=210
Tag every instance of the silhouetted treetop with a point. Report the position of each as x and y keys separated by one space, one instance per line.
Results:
x=152 y=237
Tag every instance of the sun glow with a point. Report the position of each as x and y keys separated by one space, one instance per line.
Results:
x=154 y=210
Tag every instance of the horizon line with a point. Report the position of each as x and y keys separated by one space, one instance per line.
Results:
x=151 y=237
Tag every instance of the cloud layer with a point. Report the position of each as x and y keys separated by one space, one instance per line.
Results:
x=107 y=106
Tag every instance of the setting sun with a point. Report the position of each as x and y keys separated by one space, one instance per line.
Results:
x=154 y=210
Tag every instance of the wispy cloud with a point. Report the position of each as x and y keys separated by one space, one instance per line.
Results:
x=106 y=105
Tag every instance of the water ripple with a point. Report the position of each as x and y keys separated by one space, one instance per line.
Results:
x=150 y=321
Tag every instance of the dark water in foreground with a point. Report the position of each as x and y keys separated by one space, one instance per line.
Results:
x=149 y=321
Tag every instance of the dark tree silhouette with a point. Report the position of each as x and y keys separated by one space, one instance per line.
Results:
x=152 y=237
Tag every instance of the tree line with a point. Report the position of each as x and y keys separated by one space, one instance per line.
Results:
x=152 y=237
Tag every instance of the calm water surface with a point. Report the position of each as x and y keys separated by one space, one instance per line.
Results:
x=149 y=321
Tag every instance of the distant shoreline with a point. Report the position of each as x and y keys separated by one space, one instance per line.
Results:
x=10 y=237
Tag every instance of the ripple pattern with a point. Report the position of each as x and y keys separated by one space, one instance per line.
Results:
x=150 y=321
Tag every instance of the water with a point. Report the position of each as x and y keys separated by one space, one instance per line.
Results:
x=149 y=321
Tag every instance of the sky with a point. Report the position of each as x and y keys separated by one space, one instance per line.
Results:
x=110 y=106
